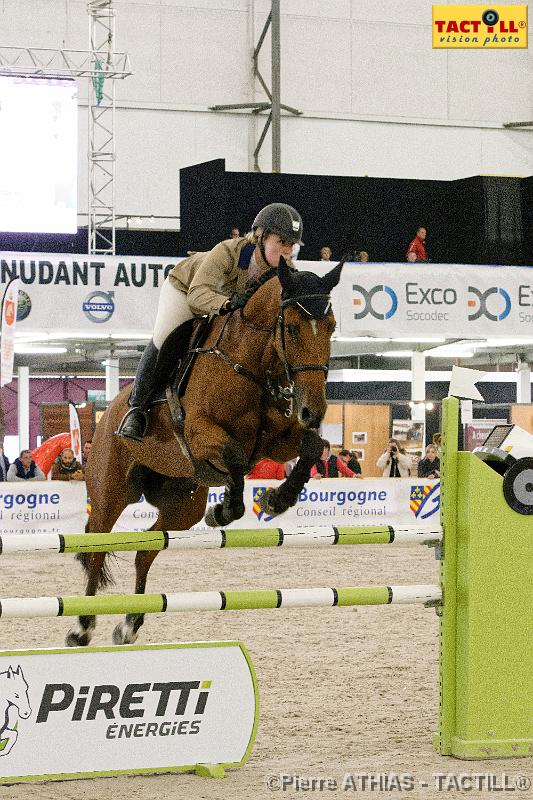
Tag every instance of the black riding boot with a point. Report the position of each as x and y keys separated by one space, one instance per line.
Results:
x=135 y=422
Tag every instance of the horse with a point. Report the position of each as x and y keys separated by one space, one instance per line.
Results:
x=256 y=390
x=14 y=703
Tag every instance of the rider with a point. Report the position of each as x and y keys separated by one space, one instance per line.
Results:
x=210 y=283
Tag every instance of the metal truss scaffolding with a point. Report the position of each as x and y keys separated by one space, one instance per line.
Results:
x=101 y=66
x=273 y=106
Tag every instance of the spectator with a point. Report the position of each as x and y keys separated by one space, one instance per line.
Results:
x=418 y=247
x=85 y=452
x=266 y=469
x=363 y=256
x=429 y=467
x=4 y=464
x=411 y=257
x=235 y=233
x=350 y=459
x=24 y=468
x=394 y=462
x=329 y=466
x=325 y=254
x=66 y=468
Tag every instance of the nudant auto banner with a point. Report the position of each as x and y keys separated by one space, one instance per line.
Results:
x=119 y=294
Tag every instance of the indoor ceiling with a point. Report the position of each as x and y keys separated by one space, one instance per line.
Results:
x=70 y=354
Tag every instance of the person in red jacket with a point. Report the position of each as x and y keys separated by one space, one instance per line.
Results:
x=330 y=466
x=417 y=249
x=266 y=469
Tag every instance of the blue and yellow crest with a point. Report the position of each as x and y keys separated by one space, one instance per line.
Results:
x=257 y=493
x=424 y=500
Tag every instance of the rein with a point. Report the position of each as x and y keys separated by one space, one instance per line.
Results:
x=273 y=388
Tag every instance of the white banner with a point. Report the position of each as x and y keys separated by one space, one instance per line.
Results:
x=9 y=321
x=75 y=431
x=109 y=294
x=335 y=501
x=152 y=708
x=43 y=507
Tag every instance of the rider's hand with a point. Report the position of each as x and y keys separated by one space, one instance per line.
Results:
x=233 y=303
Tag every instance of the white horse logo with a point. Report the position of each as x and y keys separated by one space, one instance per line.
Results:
x=14 y=703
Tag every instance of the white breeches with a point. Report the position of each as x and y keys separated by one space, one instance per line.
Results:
x=172 y=311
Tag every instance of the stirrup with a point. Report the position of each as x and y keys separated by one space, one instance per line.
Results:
x=122 y=429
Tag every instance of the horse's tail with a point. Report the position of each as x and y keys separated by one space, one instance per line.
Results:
x=104 y=578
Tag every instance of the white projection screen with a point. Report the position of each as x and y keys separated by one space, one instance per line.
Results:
x=38 y=155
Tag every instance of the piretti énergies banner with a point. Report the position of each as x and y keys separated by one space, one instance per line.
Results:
x=119 y=294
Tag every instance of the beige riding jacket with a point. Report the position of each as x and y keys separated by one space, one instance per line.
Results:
x=209 y=278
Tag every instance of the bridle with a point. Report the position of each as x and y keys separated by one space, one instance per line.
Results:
x=269 y=384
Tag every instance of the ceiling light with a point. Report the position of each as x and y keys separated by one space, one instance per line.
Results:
x=359 y=339
x=128 y=335
x=449 y=353
x=396 y=354
x=30 y=350
x=422 y=339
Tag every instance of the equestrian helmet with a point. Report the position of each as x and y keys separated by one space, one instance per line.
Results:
x=281 y=219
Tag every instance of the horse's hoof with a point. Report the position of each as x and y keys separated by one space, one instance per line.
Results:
x=270 y=503
x=124 y=634
x=210 y=517
x=78 y=638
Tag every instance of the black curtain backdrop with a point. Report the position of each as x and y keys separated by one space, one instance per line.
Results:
x=128 y=242
x=478 y=220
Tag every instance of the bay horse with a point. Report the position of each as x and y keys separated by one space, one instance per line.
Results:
x=256 y=390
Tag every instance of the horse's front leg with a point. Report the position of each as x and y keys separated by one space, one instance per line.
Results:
x=276 y=501
x=232 y=506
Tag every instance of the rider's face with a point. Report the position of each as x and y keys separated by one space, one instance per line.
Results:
x=275 y=247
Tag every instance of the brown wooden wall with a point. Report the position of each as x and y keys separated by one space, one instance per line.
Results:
x=55 y=419
x=522 y=414
x=372 y=420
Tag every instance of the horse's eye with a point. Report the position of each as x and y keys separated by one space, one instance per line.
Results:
x=291 y=329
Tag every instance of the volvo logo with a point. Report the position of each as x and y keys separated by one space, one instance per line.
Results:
x=479 y=306
x=99 y=306
x=372 y=299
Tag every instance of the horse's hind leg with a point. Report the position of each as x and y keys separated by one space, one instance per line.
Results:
x=94 y=565
x=181 y=505
x=106 y=509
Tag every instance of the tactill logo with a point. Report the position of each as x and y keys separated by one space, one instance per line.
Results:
x=99 y=306
x=480 y=304
x=375 y=301
x=14 y=704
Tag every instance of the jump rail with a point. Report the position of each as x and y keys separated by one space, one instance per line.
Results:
x=216 y=538
x=14 y=607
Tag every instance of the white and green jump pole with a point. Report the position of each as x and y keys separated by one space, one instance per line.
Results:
x=216 y=538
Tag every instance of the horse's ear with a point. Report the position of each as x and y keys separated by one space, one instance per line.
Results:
x=331 y=279
x=10 y=671
x=284 y=273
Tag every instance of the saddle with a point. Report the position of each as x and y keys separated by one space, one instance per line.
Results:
x=193 y=332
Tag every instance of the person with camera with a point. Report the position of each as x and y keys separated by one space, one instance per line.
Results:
x=394 y=462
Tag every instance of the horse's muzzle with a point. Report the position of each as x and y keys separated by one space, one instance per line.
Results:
x=309 y=408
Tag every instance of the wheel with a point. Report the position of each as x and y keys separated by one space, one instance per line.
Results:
x=518 y=486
